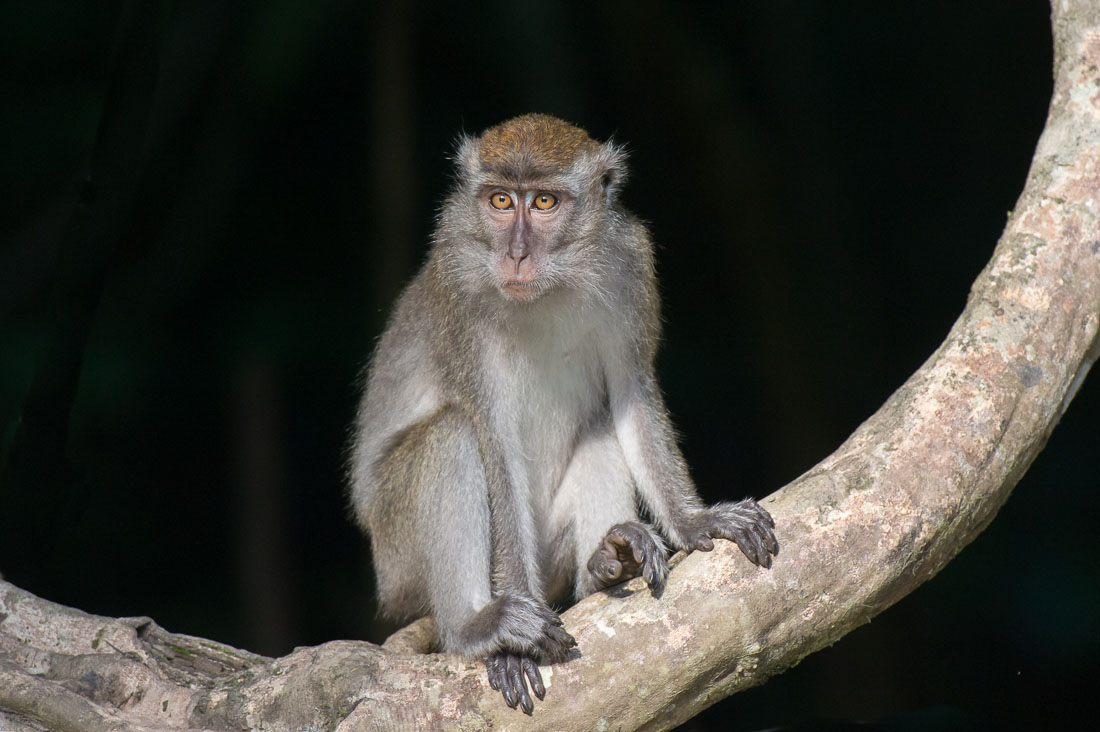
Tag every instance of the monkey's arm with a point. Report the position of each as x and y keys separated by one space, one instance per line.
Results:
x=661 y=476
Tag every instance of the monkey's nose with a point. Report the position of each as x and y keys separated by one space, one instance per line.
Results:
x=517 y=257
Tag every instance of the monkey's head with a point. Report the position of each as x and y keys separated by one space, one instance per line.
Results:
x=532 y=208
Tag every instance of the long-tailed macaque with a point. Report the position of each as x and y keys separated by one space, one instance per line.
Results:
x=512 y=430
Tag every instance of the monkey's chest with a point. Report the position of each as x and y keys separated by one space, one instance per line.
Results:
x=555 y=390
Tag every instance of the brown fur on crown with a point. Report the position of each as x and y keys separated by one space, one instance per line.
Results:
x=536 y=141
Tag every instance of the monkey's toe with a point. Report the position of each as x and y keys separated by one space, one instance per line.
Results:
x=510 y=674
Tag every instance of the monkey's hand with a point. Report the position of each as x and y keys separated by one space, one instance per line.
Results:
x=630 y=550
x=746 y=523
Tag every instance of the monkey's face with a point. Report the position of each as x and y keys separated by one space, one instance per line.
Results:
x=524 y=226
x=531 y=212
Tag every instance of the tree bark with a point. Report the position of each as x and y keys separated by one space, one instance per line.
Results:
x=912 y=486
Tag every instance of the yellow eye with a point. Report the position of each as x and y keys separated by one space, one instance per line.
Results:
x=545 y=201
x=501 y=201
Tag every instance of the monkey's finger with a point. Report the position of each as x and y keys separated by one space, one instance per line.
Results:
x=704 y=543
x=609 y=551
x=509 y=692
x=508 y=680
x=760 y=514
x=766 y=535
x=767 y=516
x=553 y=645
x=562 y=637
x=770 y=542
x=759 y=555
x=753 y=548
x=611 y=570
x=518 y=685
x=557 y=642
x=534 y=677
x=654 y=575
x=616 y=538
x=656 y=586
x=747 y=540
x=763 y=556
x=495 y=673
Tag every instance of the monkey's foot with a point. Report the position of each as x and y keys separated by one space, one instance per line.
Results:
x=510 y=674
x=746 y=523
x=510 y=633
x=517 y=624
x=630 y=550
x=529 y=627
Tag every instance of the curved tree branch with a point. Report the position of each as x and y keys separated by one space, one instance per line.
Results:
x=911 y=487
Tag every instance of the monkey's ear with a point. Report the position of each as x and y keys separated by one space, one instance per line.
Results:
x=611 y=170
x=467 y=157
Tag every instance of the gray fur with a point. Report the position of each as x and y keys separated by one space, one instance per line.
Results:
x=499 y=440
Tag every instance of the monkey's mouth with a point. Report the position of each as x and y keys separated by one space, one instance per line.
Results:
x=521 y=291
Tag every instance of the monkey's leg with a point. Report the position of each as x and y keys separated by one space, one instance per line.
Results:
x=436 y=473
x=438 y=466
x=429 y=525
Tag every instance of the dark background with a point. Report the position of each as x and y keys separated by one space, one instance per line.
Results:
x=824 y=181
